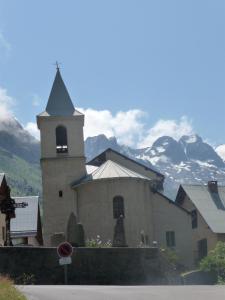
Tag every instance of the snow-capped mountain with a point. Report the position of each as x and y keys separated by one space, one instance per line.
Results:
x=189 y=160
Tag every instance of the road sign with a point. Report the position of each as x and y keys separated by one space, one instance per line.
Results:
x=65 y=249
x=65 y=261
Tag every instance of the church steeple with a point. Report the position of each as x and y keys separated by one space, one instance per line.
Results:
x=59 y=101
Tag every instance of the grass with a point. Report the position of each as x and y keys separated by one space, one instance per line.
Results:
x=8 y=290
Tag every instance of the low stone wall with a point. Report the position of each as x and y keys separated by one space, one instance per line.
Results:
x=89 y=265
x=198 y=277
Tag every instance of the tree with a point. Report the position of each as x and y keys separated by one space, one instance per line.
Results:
x=215 y=262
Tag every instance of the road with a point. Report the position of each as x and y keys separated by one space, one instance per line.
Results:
x=72 y=292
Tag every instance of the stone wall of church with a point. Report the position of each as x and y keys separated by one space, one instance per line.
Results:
x=59 y=170
x=169 y=217
x=57 y=174
x=74 y=127
x=95 y=209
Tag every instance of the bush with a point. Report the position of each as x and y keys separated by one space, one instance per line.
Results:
x=98 y=243
x=215 y=262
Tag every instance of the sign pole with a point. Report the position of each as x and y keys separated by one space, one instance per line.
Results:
x=65 y=274
x=65 y=251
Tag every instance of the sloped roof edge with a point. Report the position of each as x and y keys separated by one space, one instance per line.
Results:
x=90 y=162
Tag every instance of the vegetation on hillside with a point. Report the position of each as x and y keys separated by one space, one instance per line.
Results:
x=24 y=178
x=215 y=262
x=8 y=290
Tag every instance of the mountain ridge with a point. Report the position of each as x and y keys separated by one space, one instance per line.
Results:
x=188 y=160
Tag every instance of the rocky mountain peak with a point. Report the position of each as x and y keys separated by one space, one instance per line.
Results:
x=168 y=149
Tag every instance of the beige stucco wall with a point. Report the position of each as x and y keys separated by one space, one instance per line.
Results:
x=202 y=231
x=169 y=217
x=144 y=211
x=59 y=170
x=95 y=208
x=74 y=126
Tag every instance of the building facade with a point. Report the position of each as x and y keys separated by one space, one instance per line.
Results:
x=109 y=187
x=206 y=204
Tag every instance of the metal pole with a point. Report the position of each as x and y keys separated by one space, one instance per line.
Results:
x=65 y=274
x=8 y=241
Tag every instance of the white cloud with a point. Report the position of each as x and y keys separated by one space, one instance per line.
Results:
x=172 y=128
x=126 y=126
x=220 y=150
x=6 y=104
x=31 y=127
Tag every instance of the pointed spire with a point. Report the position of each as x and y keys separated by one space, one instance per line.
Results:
x=59 y=101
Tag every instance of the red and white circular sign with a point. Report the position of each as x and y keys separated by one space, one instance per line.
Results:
x=65 y=249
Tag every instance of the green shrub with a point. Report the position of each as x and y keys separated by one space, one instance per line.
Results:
x=170 y=255
x=215 y=262
x=98 y=243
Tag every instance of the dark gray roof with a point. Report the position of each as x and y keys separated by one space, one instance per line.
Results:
x=210 y=205
x=59 y=102
x=26 y=221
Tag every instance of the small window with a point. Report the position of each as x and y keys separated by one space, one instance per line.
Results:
x=194 y=219
x=61 y=140
x=202 y=248
x=60 y=194
x=118 y=207
x=170 y=239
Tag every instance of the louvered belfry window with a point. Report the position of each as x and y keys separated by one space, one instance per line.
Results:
x=118 y=207
x=61 y=139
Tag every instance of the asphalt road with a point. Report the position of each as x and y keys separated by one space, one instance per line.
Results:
x=72 y=292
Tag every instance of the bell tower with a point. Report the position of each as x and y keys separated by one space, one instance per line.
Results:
x=62 y=158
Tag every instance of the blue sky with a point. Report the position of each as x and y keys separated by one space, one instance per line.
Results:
x=137 y=68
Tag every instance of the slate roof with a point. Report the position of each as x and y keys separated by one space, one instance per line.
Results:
x=210 y=205
x=59 y=102
x=26 y=221
x=110 y=169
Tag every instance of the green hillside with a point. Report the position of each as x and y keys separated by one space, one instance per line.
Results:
x=23 y=177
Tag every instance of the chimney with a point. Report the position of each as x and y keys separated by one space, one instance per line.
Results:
x=212 y=186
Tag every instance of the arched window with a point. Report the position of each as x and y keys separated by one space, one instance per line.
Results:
x=118 y=207
x=61 y=139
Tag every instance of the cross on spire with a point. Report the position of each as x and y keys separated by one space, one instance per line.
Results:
x=57 y=65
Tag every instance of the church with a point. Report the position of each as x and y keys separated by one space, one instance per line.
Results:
x=98 y=193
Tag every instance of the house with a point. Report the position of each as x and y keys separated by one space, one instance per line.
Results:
x=109 y=187
x=25 y=227
x=206 y=204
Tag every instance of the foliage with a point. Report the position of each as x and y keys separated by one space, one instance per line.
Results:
x=170 y=255
x=215 y=262
x=25 y=279
x=8 y=291
x=23 y=177
x=98 y=243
